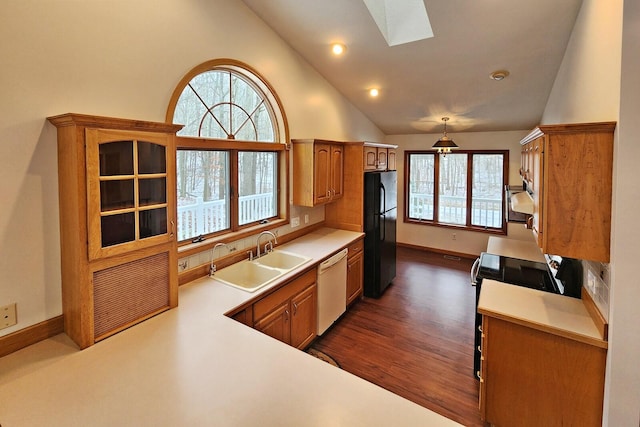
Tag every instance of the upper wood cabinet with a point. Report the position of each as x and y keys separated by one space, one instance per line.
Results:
x=348 y=212
x=379 y=157
x=569 y=173
x=116 y=181
x=318 y=172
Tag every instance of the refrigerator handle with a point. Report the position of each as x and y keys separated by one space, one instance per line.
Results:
x=383 y=223
x=383 y=197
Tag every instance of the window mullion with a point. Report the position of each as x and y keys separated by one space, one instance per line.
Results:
x=436 y=188
x=233 y=190
x=469 y=188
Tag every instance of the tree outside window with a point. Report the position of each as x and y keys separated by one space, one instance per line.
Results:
x=229 y=152
x=464 y=189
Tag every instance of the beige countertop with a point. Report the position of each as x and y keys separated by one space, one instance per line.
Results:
x=544 y=311
x=193 y=366
x=521 y=249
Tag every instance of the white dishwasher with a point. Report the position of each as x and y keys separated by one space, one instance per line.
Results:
x=332 y=290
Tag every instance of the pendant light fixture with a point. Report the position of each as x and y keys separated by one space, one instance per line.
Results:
x=445 y=144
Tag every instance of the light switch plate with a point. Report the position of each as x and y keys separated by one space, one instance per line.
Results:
x=8 y=316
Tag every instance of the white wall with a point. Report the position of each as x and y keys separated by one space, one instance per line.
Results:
x=467 y=242
x=122 y=59
x=598 y=81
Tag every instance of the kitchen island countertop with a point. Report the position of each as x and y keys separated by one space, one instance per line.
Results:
x=194 y=366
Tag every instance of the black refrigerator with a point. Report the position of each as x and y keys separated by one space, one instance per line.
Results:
x=380 y=213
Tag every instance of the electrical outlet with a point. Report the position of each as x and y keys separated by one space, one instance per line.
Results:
x=182 y=265
x=295 y=222
x=453 y=236
x=8 y=316
x=306 y=218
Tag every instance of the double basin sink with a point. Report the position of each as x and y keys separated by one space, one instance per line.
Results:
x=251 y=275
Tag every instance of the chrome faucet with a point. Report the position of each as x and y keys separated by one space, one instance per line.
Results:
x=268 y=245
x=212 y=267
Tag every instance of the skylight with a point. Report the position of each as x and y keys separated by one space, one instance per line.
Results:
x=400 y=21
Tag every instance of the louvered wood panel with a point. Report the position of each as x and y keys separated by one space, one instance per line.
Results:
x=127 y=293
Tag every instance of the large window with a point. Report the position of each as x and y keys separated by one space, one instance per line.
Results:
x=231 y=161
x=463 y=189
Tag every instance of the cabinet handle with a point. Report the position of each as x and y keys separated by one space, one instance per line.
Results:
x=173 y=227
x=480 y=328
x=286 y=315
x=295 y=308
x=479 y=349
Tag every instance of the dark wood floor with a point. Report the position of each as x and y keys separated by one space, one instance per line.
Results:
x=417 y=339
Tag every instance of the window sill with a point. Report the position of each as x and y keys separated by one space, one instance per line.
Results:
x=186 y=249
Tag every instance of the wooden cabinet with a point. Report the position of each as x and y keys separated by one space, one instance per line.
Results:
x=290 y=313
x=318 y=172
x=534 y=378
x=355 y=273
x=569 y=173
x=347 y=213
x=117 y=223
x=391 y=159
x=379 y=157
x=243 y=315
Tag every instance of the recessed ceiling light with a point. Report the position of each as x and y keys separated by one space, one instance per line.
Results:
x=373 y=92
x=338 y=49
x=499 y=75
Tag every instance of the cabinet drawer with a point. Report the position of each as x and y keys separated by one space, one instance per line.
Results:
x=270 y=302
x=356 y=248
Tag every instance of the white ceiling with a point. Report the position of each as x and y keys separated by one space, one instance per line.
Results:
x=446 y=75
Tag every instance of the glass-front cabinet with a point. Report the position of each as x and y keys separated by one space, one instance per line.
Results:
x=116 y=183
x=129 y=201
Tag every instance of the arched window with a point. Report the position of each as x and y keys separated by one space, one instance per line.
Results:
x=231 y=162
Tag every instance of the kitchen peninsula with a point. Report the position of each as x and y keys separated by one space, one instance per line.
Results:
x=193 y=365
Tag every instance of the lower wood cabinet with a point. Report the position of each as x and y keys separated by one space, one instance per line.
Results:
x=534 y=378
x=355 y=272
x=290 y=313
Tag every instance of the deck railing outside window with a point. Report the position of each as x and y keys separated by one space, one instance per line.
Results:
x=485 y=212
x=208 y=217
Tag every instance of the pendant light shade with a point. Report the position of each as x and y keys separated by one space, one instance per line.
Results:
x=445 y=144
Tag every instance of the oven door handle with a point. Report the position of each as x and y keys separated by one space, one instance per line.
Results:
x=474 y=271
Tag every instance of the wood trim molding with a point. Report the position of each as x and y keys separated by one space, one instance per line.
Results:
x=438 y=251
x=31 y=335
x=595 y=314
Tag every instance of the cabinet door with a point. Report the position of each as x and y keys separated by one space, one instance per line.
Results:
x=322 y=173
x=337 y=171
x=354 y=277
x=303 y=317
x=382 y=159
x=370 y=158
x=391 y=159
x=536 y=166
x=129 y=180
x=276 y=324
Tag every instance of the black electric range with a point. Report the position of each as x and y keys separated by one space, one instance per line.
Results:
x=519 y=272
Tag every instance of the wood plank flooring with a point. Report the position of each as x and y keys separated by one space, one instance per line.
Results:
x=417 y=339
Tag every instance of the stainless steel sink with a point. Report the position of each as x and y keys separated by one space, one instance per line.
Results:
x=253 y=275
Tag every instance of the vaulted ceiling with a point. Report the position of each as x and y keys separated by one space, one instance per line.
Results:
x=446 y=75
